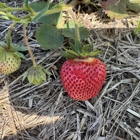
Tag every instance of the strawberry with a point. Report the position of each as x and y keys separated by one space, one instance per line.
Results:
x=10 y=63
x=83 y=78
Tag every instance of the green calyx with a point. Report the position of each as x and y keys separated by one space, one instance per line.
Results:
x=36 y=75
x=79 y=51
x=4 y=52
x=14 y=50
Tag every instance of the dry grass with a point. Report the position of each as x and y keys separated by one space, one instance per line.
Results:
x=46 y=112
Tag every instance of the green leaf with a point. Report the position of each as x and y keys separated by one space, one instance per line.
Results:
x=72 y=46
x=24 y=75
x=134 y=5
x=47 y=72
x=49 y=37
x=5 y=17
x=69 y=30
x=43 y=75
x=25 y=3
x=30 y=77
x=2 y=44
x=12 y=17
x=68 y=55
x=20 y=55
x=78 y=46
x=41 y=13
x=94 y=53
x=52 y=19
x=3 y=5
x=115 y=9
x=38 y=6
x=83 y=53
x=137 y=30
x=19 y=47
x=87 y=47
x=60 y=5
x=72 y=52
x=6 y=38
x=37 y=76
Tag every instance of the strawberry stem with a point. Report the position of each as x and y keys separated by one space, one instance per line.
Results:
x=63 y=7
x=8 y=39
x=11 y=9
x=28 y=47
x=75 y=23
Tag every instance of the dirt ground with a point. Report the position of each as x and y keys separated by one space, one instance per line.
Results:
x=46 y=112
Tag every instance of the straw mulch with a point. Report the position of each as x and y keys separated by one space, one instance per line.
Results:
x=46 y=112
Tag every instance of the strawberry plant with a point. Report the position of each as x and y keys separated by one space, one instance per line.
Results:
x=52 y=31
x=82 y=75
x=50 y=35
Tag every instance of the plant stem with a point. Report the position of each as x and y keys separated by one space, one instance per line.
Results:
x=9 y=35
x=56 y=10
x=11 y=9
x=75 y=23
x=28 y=47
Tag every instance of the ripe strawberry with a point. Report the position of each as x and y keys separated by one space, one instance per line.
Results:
x=83 y=78
x=11 y=62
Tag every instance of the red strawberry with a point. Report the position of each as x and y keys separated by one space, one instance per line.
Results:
x=83 y=78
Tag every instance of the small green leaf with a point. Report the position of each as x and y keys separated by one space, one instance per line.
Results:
x=30 y=78
x=72 y=46
x=2 y=13
x=94 y=53
x=52 y=19
x=72 y=52
x=2 y=44
x=134 y=5
x=60 y=5
x=43 y=75
x=5 y=17
x=137 y=30
x=78 y=46
x=19 y=47
x=38 y=6
x=115 y=9
x=87 y=47
x=3 y=5
x=20 y=55
x=12 y=17
x=69 y=30
x=26 y=3
x=24 y=75
x=68 y=55
x=49 y=37
x=41 y=13
x=6 y=38
x=47 y=72
x=37 y=76
x=83 y=53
